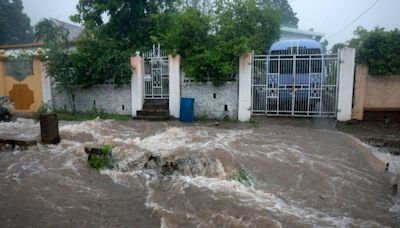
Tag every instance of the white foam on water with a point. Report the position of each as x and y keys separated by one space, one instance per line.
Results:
x=89 y=127
x=257 y=199
x=69 y=164
x=181 y=137
x=24 y=129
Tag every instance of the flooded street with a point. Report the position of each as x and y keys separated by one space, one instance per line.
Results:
x=297 y=177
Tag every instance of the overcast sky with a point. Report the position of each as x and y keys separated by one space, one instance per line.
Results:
x=326 y=16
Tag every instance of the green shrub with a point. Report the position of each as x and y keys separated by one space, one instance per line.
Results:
x=378 y=49
x=101 y=161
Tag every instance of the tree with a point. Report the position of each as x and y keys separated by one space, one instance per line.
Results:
x=103 y=51
x=58 y=58
x=336 y=47
x=49 y=32
x=379 y=49
x=15 y=25
x=129 y=21
x=210 y=42
x=287 y=15
x=211 y=45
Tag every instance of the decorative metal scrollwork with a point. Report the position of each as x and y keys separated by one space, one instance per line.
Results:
x=19 y=69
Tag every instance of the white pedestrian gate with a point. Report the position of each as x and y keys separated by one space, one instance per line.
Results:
x=156 y=78
x=295 y=85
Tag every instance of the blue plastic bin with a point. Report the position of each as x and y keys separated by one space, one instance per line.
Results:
x=186 y=112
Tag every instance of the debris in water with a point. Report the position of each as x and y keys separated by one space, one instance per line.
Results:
x=170 y=165
x=14 y=143
x=244 y=176
x=100 y=158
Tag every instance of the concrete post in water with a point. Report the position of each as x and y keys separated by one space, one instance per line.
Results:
x=49 y=128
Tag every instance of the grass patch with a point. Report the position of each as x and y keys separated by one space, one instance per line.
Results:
x=203 y=118
x=102 y=160
x=66 y=115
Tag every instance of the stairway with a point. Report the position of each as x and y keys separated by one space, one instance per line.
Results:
x=154 y=110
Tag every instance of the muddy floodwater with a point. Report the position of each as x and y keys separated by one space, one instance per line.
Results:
x=296 y=177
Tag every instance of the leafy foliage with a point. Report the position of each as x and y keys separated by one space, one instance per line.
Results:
x=49 y=32
x=101 y=161
x=15 y=25
x=58 y=59
x=211 y=45
x=114 y=29
x=378 y=49
x=209 y=42
x=287 y=15
x=244 y=176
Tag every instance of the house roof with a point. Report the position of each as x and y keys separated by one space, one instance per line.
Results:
x=302 y=32
x=74 y=30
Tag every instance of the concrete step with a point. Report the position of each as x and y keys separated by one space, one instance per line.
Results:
x=155 y=106
x=145 y=112
x=153 y=118
x=156 y=101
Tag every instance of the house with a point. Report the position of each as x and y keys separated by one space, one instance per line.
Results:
x=74 y=32
x=25 y=80
x=293 y=33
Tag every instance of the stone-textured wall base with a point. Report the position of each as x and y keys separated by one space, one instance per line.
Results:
x=103 y=97
x=210 y=101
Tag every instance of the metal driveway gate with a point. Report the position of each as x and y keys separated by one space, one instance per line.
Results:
x=295 y=85
x=156 y=78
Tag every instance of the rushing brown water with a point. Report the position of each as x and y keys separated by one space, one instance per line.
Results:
x=300 y=178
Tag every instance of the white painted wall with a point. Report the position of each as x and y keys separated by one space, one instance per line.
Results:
x=137 y=83
x=245 y=68
x=46 y=85
x=210 y=100
x=174 y=85
x=346 y=83
x=107 y=98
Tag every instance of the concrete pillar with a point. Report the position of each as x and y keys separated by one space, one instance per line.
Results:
x=245 y=68
x=137 y=83
x=346 y=83
x=359 y=92
x=174 y=85
x=46 y=86
x=2 y=73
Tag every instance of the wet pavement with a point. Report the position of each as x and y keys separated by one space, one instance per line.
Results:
x=303 y=177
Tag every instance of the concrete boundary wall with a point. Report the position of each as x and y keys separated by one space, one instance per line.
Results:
x=24 y=87
x=375 y=93
x=211 y=101
x=102 y=97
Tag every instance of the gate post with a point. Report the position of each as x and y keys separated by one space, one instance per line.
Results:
x=245 y=69
x=137 y=83
x=2 y=73
x=46 y=82
x=174 y=85
x=346 y=83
